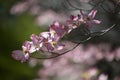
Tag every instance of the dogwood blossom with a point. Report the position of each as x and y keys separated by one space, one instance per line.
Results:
x=57 y=29
x=88 y=19
x=19 y=55
x=73 y=22
x=50 y=41
x=28 y=47
x=35 y=39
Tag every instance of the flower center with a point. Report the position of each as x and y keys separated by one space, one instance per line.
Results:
x=54 y=43
x=87 y=19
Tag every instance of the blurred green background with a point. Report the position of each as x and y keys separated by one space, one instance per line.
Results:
x=14 y=30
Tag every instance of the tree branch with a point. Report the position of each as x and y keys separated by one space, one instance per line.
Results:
x=101 y=33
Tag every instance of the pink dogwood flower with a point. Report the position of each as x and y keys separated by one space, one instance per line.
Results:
x=46 y=38
x=20 y=56
x=50 y=41
x=36 y=41
x=73 y=22
x=57 y=29
x=24 y=54
x=28 y=47
x=89 y=19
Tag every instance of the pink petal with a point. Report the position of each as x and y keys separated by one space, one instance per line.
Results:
x=60 y=46
x=56 y=23
x=72 y=17
x=45 y=34
x=92 y=13
x=57 y=28
x=18 y=55
x=28 y=47
x=27 y=55
x=49 y=47
x=97 y=21
x=89 y=24
x=34 y=38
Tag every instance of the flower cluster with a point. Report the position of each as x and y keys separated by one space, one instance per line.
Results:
x=50 y=41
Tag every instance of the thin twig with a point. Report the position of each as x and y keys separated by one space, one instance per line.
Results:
x=97 y=34
x=105 y=31
x=102 y=32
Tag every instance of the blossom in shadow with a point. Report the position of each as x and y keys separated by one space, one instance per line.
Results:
x=57 y=29
x=73 y=22
x=88 y=19
x=19 y=55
